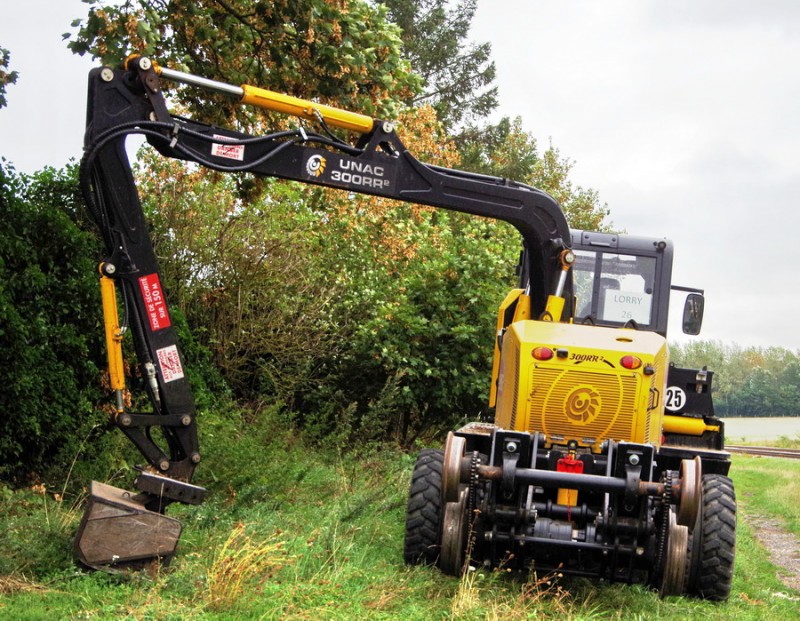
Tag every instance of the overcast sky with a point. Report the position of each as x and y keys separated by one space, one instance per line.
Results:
x=682 y=114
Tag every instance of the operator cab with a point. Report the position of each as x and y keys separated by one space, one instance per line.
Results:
x=625 y=281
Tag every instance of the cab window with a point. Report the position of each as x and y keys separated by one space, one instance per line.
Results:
x=614 y=289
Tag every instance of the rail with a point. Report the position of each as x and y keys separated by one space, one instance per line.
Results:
x=765 y=451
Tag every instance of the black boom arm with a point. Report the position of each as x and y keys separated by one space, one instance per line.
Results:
x=129 y=101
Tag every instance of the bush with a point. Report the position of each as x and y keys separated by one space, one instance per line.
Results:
x=50 y=336
x=417 y=356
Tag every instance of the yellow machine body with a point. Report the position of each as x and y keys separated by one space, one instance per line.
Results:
x=583 y=393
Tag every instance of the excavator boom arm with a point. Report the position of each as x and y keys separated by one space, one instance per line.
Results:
x=130 y=101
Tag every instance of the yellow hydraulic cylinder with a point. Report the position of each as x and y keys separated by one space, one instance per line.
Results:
x=263 y=98
x=304 y=109
x=113 y=333
x=554 y=308
x=686 y=425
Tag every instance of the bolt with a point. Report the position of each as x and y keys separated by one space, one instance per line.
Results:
x=106 y=74
x=186 y=420
x=124 y=420
x=511 y=447
x=144 y=63
x=387 y=127
x=163 y=465
x=639 y=551
x=195 y=458
x=633 y=459
x=109 y=268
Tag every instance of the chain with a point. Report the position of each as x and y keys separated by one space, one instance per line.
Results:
x=667 y=501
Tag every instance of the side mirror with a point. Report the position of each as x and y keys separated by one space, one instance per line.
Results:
x=693 y=313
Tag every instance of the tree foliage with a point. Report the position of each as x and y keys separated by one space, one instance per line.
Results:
x=303 y=289
x=457 y=75
x=50 y=338
x=364 y=317
x=6 y=77
x=250 y=276
x=341 y=52
x=749 y=381
x=505 y=149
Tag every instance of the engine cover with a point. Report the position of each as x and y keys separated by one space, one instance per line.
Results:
x=582 y=383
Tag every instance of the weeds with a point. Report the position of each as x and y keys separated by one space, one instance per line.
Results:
x=18 y=584
x=490 y=594
x=337 y=555
x=241 y=562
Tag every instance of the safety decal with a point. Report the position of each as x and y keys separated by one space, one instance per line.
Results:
x=170 y=363
x=156 y=307
x=229 y=151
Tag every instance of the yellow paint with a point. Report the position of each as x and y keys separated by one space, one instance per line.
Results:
x=302 y=108
x=582 y=394
x=567 y=497
x=686 y=425
x=113 y=333
x=511 y=299
x=554 y=308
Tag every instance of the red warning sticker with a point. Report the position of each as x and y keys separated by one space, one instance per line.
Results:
x=230 y=151
x=153 y=296
x=170 y=363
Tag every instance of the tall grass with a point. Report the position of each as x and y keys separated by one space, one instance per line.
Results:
x=240 y=565
x=318 y=535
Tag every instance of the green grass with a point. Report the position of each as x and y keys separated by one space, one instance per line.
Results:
x=292 y=531
x=779 y=497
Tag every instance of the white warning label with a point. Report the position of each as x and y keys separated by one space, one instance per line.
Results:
x=170 y=363
x=229 y=151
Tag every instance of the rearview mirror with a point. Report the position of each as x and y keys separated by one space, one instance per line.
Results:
x=693 y=313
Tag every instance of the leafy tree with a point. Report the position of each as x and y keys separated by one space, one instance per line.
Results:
x=457 y=75
x=505 y=149
x=422 y=351
x=342 y=52
x=360 y=314
x=302 y=290
x=749 y=381
x=249 y=276
x=6 y=77
x=50 y=338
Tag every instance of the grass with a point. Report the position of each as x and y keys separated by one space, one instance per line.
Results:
x=780 y=498
x=292 y=531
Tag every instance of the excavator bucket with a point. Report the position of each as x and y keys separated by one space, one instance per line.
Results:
x=118 y=532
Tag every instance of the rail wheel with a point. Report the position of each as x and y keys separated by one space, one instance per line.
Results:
x=423 y=539
x=713 y=543
x=454 y=536
x=673 y=574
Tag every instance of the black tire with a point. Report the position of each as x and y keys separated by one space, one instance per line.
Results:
x=712 y=545
x=423 y=539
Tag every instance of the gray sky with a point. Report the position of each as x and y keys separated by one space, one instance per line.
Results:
x=682 y=114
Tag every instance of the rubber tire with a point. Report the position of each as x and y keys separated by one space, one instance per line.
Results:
x=712 y=546
x=423 y=540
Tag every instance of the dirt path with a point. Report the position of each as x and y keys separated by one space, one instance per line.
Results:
x=783 y=547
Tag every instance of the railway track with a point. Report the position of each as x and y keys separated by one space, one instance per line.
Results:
x=765 y=451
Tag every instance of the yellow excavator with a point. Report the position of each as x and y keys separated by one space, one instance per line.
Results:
x=603 y=460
